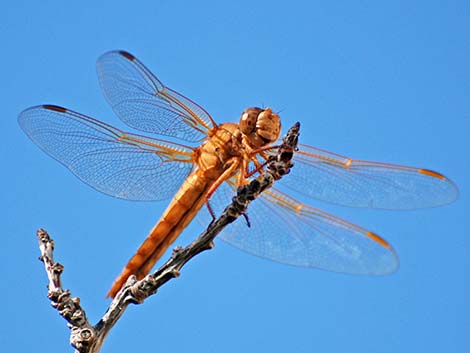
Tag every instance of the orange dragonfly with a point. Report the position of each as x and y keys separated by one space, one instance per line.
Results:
x=213 y=161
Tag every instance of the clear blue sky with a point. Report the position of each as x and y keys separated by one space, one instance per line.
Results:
x=387 y=81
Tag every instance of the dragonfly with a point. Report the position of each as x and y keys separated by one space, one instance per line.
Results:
x=194 y=161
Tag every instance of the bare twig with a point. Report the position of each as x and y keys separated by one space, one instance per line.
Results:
x=89 y=339
x=83 y=335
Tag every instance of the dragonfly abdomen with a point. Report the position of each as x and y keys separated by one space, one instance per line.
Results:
x=181 y=211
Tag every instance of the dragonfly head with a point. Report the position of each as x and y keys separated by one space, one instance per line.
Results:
x=260 y=126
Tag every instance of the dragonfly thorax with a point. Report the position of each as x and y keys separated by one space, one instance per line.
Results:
x=261 y=127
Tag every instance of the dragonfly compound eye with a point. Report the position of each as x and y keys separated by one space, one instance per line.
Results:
x=268 y=126
x=248 y=120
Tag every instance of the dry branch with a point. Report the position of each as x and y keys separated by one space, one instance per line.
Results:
x=87 y=338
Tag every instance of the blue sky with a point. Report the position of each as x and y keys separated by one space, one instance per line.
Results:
x=372 y=80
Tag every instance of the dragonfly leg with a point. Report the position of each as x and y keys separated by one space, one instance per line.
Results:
x=234 y=165
x=259 y=167
x=247 y=219
x=262 y=150
x=242 y=176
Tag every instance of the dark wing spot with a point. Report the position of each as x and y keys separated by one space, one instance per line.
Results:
x=54 y=107
x=127 y=55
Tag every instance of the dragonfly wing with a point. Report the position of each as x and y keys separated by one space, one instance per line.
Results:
x=284 y=230
x=333 y=178
x=144 y=103
x=116 y=163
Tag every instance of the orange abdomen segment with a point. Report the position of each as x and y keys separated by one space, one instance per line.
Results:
x=182 y=209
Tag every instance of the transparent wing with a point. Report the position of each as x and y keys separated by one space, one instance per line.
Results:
x=287 y=231
x=117 y=163
x=337 y=179
x=144 y=103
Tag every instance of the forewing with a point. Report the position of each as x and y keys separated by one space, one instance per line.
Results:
x=119 y=164
x=144 y=103
x=337 y=179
